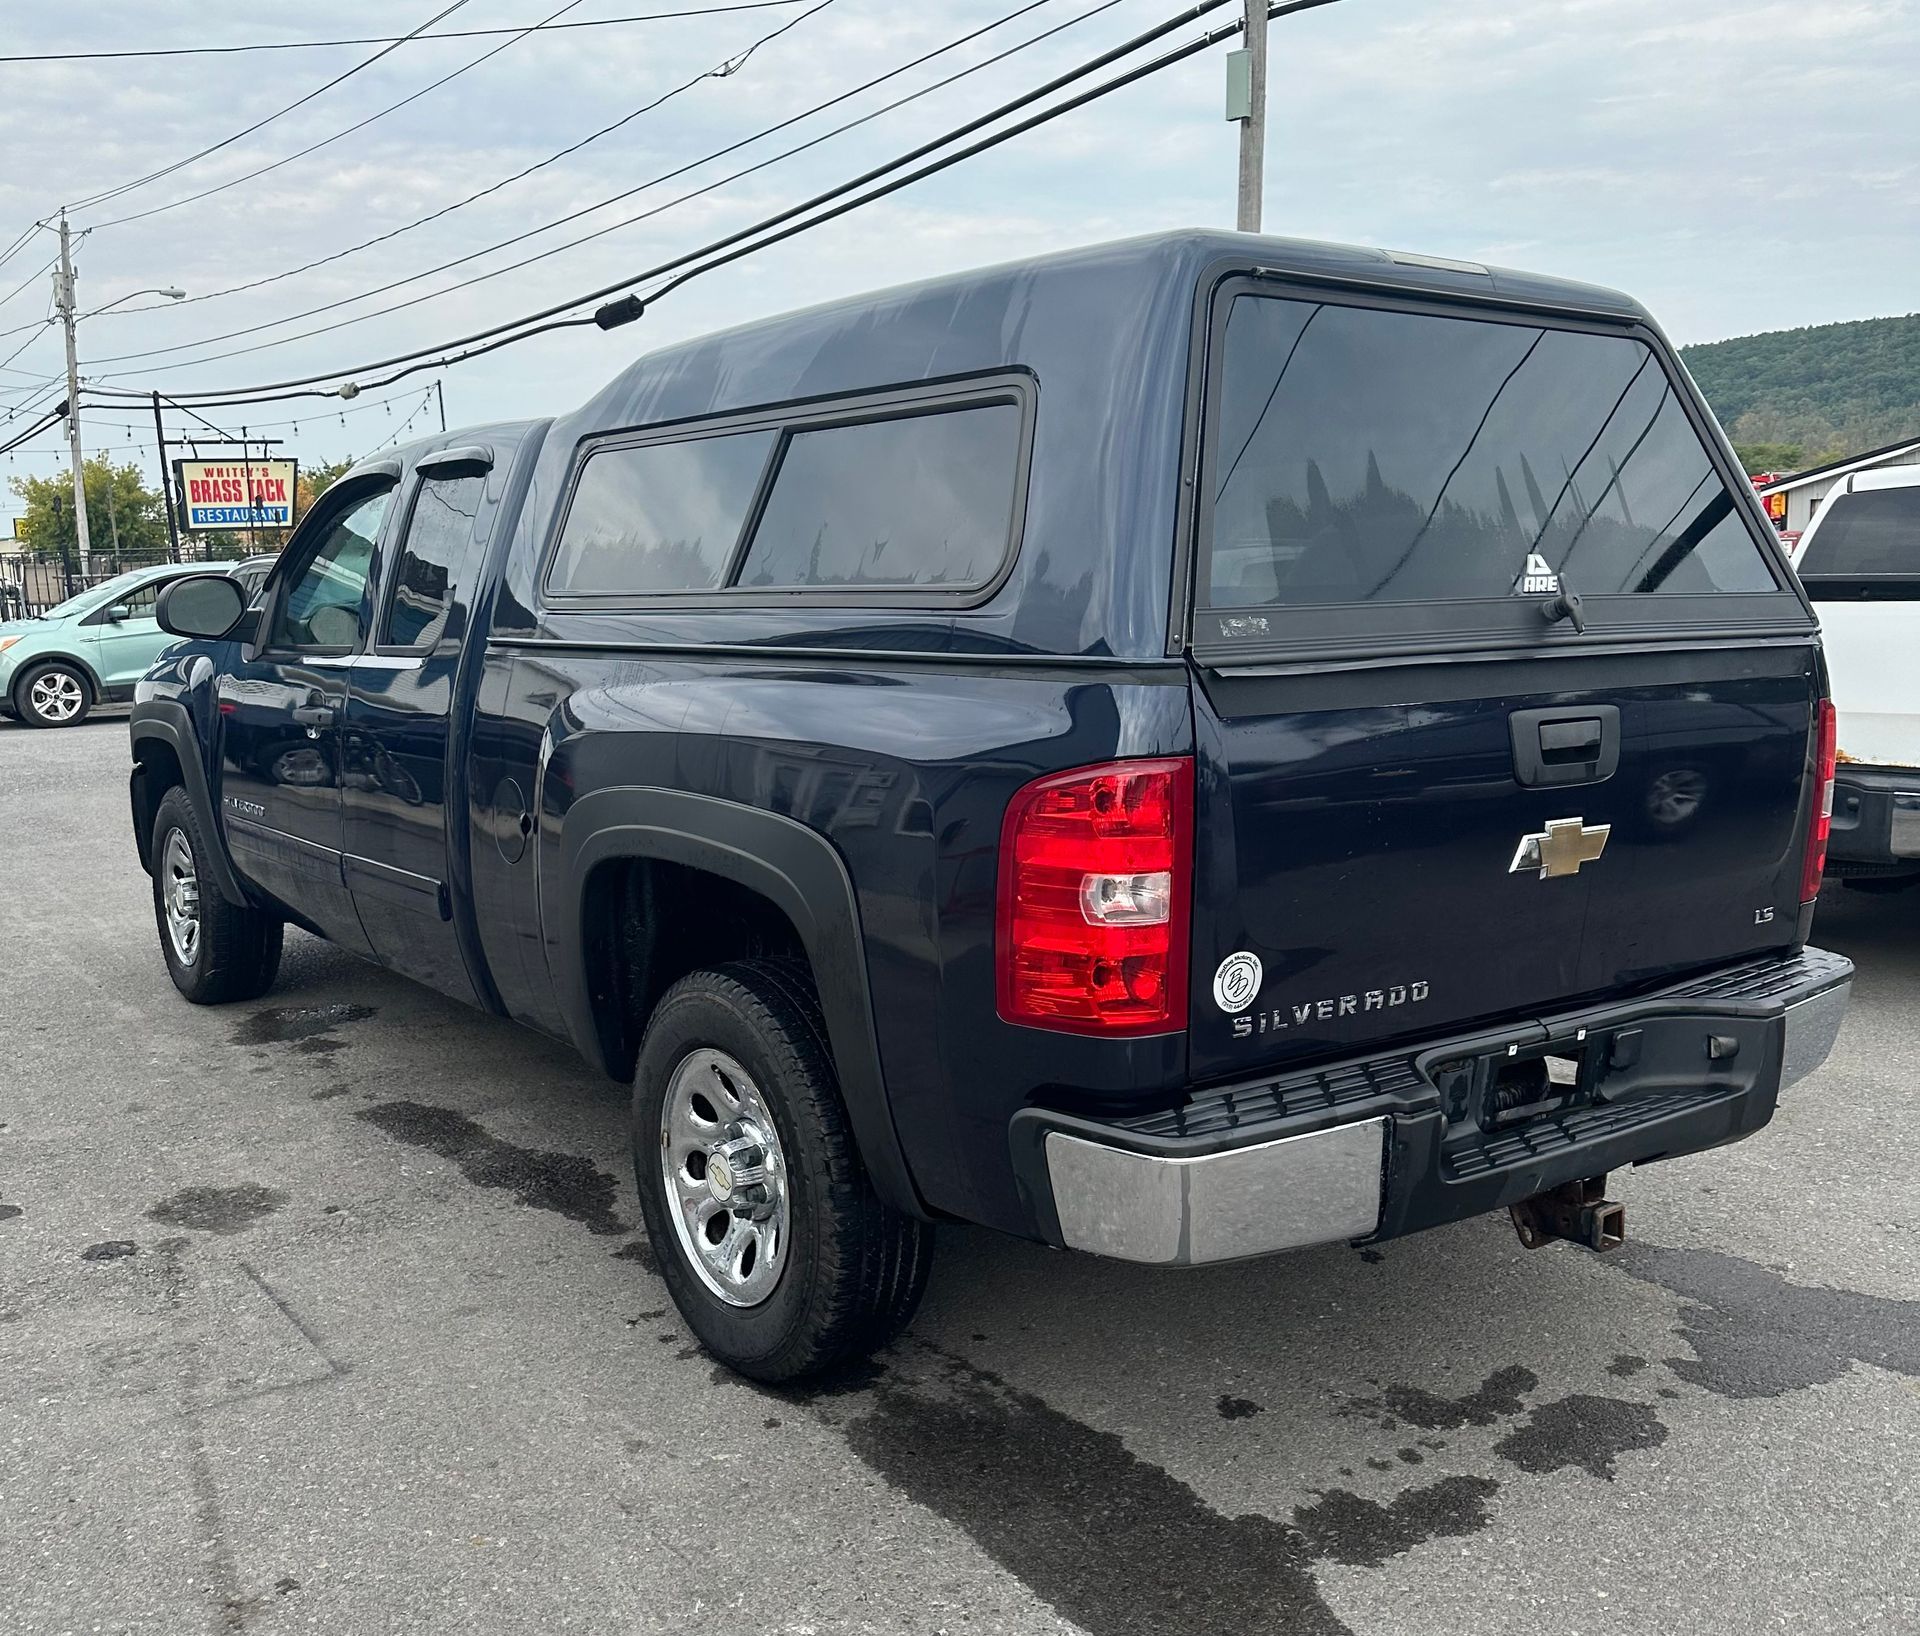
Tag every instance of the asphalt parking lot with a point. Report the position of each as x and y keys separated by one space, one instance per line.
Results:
x=330 y=1312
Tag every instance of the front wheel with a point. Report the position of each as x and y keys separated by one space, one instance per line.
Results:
x=770 y=1238
x=216 y=951
x=54 y=694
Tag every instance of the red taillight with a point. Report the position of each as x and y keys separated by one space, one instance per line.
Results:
x=1095 y=875
x=1826 y=746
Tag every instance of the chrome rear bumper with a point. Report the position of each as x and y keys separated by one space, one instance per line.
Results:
x=1812 y=1024
x=1365 y=1149
x=1221 y=1207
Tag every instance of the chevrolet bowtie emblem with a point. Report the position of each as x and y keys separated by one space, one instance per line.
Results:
x=1561 y=848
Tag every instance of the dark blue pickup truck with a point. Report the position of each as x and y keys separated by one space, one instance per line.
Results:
x=1179 y=750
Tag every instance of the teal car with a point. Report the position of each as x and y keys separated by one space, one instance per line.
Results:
x=88 y=650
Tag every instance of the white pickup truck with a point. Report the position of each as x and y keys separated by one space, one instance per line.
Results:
x=1860 y=564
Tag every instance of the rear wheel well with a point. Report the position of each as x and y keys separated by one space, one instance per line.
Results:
x=646 y=923
x=156 y=769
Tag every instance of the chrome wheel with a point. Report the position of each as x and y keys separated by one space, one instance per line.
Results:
x=56 y=696
x=726 y=1177
x=180 y=897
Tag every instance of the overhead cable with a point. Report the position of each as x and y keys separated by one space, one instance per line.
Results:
x=725 y=250
x=260 y=124
x=388 y=39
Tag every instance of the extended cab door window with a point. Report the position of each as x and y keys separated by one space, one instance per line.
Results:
x=1379 y=476
x=434 y=560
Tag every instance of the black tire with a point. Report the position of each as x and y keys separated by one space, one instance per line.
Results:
x=235 y=952
x=854 y=1268
x=69 y=678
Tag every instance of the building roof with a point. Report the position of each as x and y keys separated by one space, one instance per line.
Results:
x=1840 y=468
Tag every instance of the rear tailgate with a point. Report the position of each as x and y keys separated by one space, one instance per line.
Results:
x=1422 y=803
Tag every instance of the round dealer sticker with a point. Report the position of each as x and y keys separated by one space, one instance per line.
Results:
x=1237 y=982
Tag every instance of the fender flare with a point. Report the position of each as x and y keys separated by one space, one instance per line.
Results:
x=168 y=722
x=793 y=867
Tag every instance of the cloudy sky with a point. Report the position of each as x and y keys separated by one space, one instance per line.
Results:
x=1738 y=166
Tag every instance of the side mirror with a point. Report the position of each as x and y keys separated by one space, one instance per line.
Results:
x=119 y=613
x=205 y=607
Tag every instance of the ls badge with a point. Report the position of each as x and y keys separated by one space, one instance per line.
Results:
x=1561 y=848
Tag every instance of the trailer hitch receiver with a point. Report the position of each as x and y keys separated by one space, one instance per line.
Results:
x=1577 y=1211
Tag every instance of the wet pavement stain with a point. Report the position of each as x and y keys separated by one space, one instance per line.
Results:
x=639 y=1250
x=1362 y=1533
x=11 y=1212
x=1625 y=1366
x=281 y=1025
x=565 y=1183
x=1238 y=1408
x=1115 y=1545
x=218 y=1209
x=114 y=1249
x=1584 y=1431
x=1756 y=1334
x=1499 y=1395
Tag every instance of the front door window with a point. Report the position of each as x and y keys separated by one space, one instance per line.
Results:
x=325 y=600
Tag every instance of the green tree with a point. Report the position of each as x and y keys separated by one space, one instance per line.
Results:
x=317 y=479
x=123 y=514
x=1759 y=457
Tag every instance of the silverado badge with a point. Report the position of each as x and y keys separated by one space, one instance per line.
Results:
x=1561 y=848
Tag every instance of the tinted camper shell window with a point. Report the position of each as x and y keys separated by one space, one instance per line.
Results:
x=905 y=496
x=1380 y=476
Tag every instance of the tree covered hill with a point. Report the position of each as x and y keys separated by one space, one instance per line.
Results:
x=1798 y=397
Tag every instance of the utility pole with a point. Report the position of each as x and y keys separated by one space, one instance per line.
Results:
x=166 y=484
x=440 y=397
x=1247 y=103
x=63 y=299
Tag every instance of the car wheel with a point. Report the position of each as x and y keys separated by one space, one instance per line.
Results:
x=54 y=694
x=216 y=951
x=771 y=1240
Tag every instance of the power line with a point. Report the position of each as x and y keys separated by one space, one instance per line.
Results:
x=733 y=246
x=720 y=70
x=23 y=286
x=328 y=141
x=51 y=419
x=387 y=39
x=313 y=418
x=587 y=210
x=279 y=113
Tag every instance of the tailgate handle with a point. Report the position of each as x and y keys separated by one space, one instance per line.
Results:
x=1566 y=746
x=1570 y=740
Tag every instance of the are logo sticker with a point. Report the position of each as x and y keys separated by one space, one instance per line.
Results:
x=1237 y=981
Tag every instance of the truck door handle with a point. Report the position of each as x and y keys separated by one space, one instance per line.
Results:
x=315 y=716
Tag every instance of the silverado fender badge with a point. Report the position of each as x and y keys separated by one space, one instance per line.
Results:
x=1538 y=577
x=1561 y=848
x=1237 y=981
